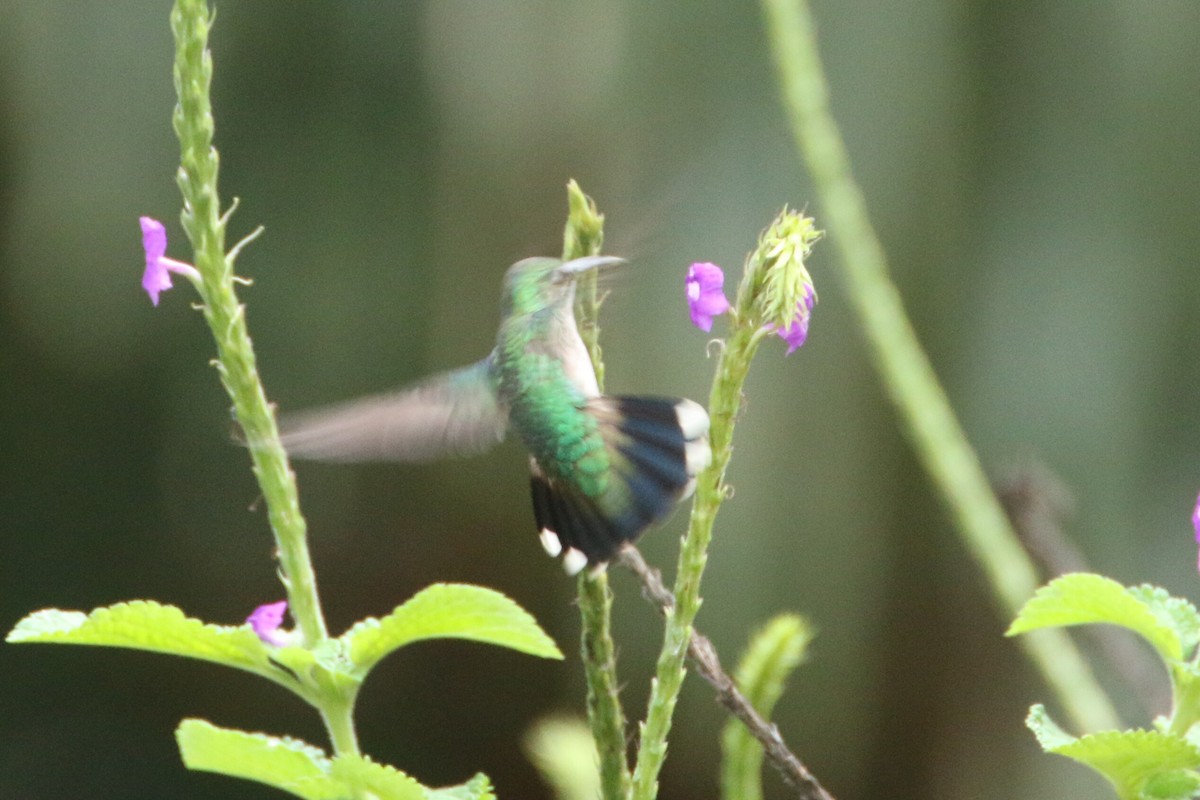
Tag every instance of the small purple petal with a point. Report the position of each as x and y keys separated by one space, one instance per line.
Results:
x=795 y=334
x=1196 y=526
x=266 y=620
x=1196 y=519
x=157 y=277
x=705 y=294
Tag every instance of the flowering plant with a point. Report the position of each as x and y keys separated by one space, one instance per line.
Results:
x=774 y=298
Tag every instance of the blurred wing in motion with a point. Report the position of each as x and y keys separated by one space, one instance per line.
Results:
x=455 y=413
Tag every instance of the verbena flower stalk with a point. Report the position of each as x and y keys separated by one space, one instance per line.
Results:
x=924 y=409
x=775 y=297
x=206 y=226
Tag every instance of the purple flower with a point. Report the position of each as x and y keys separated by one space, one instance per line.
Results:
x=1196 y=525
x=705 y=295
x=797 y=332
x=157 y=277
x=266 y=620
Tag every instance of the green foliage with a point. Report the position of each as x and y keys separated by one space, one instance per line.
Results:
x=325 y=675
x=285 y=763
x=1141 y=765
x=325 y=672
x=775 y=650
x=1161 y=764
x=304 y=770
x=293 y=766
x=1175 y=612
x=446 y=610
x=366 y=778
x=147 y=625
x=1080 y=598
x=457 y=611
x=478 y=788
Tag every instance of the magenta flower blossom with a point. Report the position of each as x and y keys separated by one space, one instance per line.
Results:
x=797 y=332
x=266 y=621
x=705 y=294
x=157 y=277
x=1196 y=525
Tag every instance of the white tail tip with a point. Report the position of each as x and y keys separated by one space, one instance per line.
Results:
x=550 y=542
x=574 y=561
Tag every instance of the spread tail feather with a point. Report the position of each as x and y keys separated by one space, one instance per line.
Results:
x=655 y=448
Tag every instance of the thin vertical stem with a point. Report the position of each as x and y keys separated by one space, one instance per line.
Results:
x=724 y=401
x=911 y=382
x=584 y=236
x=226 y=317
x=235 y=363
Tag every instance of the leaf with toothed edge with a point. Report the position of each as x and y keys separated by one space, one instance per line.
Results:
x=288 y=764
x=146 y=625
x=294 y=766
x=1082 y=598
x=478 y=788
x=1141 y=765
x=368 y=778
x=447 y=610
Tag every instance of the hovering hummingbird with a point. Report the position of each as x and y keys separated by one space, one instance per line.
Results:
x=603 y=468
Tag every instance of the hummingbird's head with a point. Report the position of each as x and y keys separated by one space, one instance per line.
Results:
x=534 y=284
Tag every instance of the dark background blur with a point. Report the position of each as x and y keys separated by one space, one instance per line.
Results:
x=1033 y=169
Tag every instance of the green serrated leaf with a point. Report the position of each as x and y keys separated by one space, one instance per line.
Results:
x=1082 y=598
x=478 y=788
x=147 y=625
x=448 y=610
x=1049 y=735
x=1133 y=760
x=1177 y=785
x=1174 y=612
x=287 y=764
x=365 y=777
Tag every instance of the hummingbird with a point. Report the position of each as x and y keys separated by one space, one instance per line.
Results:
x=603 y=468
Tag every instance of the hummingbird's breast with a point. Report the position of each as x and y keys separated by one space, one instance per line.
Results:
x=546 y=376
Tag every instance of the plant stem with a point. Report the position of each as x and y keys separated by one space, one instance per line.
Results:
x=235 y=363
x=584 y=236
x=339 y=722
x=773 y=652
x=724 y=401
x=906 y=372
x=708 y=666
x=605 y=714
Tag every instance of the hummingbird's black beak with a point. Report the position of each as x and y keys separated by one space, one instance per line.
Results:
x=580 y=265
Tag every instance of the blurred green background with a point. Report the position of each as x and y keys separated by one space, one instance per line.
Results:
x=1033 y=169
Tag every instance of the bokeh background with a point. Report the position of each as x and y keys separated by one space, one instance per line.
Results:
x=1034 y=171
